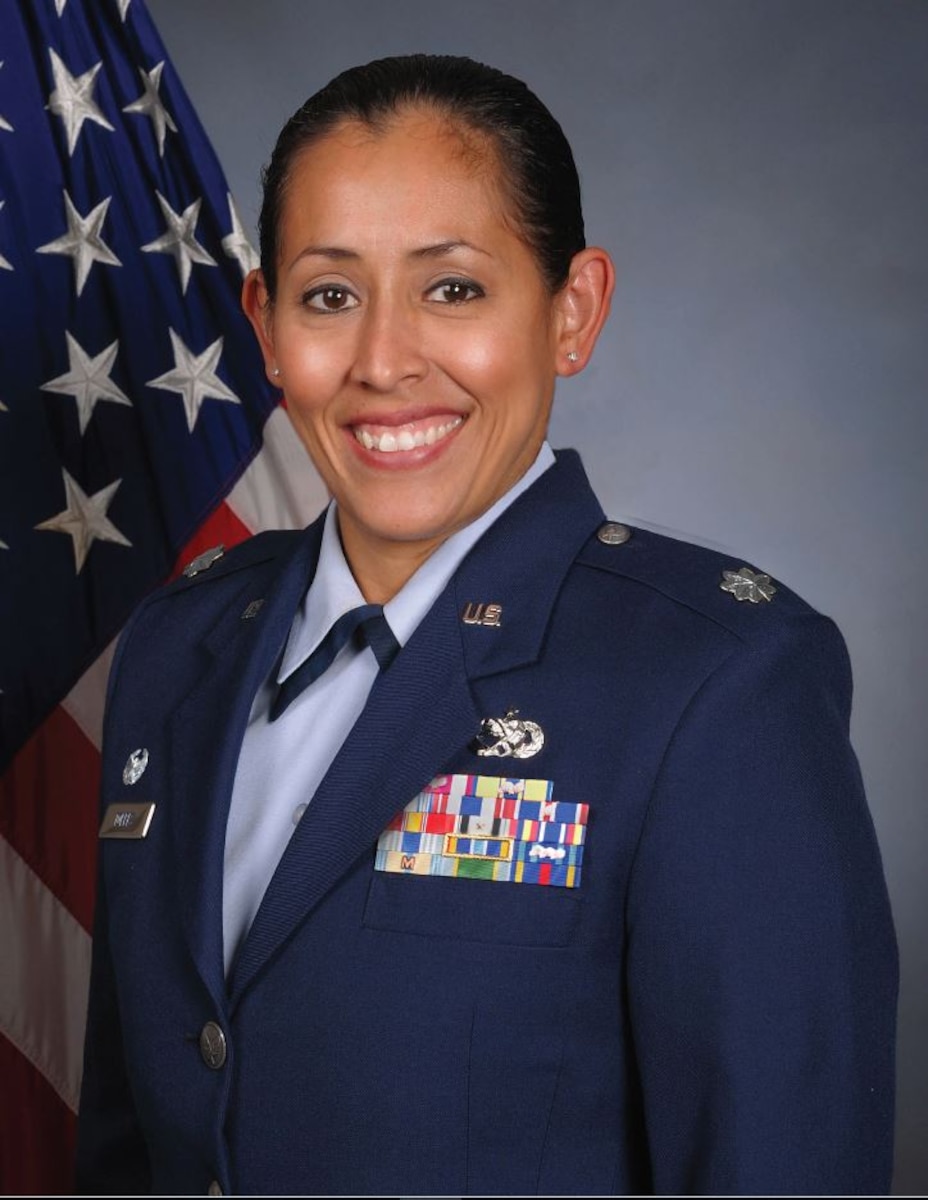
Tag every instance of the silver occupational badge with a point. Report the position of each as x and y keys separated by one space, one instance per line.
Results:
x=135 y=766
x=745 y=584
x=508 y=737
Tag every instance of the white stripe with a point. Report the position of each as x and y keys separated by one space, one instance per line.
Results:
x=45 y=977
x=280 y=488
x=84 y=703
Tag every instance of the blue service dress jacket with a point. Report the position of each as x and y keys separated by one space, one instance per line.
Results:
x=709 y=1008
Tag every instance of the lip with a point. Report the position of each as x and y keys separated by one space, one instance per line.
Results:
x=412 y=419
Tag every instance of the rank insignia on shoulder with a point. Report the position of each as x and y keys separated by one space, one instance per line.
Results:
x=203 y=561
x=745 y=584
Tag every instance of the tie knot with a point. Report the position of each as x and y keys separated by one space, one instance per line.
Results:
x=366 y=624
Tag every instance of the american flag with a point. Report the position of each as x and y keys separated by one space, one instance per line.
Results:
x=136 y=429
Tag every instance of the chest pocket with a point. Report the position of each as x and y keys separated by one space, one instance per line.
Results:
x=473 y=910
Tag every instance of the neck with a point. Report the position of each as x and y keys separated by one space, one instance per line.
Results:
x=383 y=570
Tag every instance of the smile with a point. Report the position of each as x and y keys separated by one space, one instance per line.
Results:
x=407 y=437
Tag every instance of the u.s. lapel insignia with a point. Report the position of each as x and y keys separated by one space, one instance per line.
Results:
x=135 y=766
x=489 y=615
x=508 y=737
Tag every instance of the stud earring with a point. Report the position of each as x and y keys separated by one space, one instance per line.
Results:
x=276 y=372
x=572 y=356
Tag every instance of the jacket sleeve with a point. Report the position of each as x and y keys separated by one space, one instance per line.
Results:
x=761 y=967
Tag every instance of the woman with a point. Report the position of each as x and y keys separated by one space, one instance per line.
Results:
x=551 y=871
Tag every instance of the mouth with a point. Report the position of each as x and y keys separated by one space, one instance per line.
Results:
x=411 y=435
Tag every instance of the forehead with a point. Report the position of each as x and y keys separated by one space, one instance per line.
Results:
x=417 y=165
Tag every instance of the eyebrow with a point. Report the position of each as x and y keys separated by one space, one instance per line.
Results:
x=340 y=254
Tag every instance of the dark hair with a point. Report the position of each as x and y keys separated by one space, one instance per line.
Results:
x=538 y=167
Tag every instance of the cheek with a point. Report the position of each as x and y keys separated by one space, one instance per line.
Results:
x=311 y=373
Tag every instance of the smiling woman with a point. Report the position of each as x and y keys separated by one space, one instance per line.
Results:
x=413 y=332
x=401 y=957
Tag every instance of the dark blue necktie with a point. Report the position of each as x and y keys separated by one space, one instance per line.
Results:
x=366 y=625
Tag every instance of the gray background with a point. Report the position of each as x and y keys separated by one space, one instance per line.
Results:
x=758 y=170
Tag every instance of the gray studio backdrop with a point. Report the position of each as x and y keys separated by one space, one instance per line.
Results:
x=759 y=170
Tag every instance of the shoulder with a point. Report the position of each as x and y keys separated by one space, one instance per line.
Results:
x=219 y=562
x=726 y=591
x=206 y=577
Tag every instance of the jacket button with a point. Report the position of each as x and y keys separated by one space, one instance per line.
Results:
x=213 y=1046
x=613 y=533
x=214 y=1189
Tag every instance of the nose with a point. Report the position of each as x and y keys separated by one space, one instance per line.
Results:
x=388 y=350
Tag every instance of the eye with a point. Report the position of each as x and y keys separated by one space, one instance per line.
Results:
x=455 y=291
x=330 y=298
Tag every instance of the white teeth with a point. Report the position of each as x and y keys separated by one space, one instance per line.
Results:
x=405 y=439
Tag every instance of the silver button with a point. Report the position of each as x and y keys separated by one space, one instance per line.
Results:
x=298 y=813
x=613 y=534
x=213 y=1046
x=214 y=1189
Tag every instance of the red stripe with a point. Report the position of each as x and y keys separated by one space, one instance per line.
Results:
x=544 y=873
x=37 y=1131
x=221 y=528
x=439 y=823
x=49 y=801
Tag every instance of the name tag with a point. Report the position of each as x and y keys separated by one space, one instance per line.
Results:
x=127 y=820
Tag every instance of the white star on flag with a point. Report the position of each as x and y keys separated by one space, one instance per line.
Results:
x=4 y=265
x=236 y=244
x=194 y=377
x=72 y=100
x=123 y=8
x=60 y=6
x=88 y=380
x=149 y=104
x=83 y=241
x=85 y=520
x=180 y=240
x=5 y=124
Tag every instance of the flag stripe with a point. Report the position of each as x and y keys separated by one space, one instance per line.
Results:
x=43 y=989
x=280 y=489
x=48 y=811
x=37 y=1129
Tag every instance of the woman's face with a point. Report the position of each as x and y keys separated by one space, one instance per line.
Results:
x=413 y=332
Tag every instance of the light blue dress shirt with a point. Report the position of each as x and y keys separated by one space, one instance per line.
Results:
x=282 y=763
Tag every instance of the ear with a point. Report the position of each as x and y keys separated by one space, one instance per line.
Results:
x=582 y=308
x=258 y=309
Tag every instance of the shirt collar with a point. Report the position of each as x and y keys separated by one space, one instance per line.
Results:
x=334 y=591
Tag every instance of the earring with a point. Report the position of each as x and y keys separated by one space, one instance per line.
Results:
x=572 y=356
x=276 y=372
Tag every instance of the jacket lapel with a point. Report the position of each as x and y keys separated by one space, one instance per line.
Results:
x=206 y=731
x=421 y=712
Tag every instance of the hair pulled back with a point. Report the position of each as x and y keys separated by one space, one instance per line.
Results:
x=537 y=166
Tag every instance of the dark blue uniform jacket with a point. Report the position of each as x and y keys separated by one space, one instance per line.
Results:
x=711 y=1010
